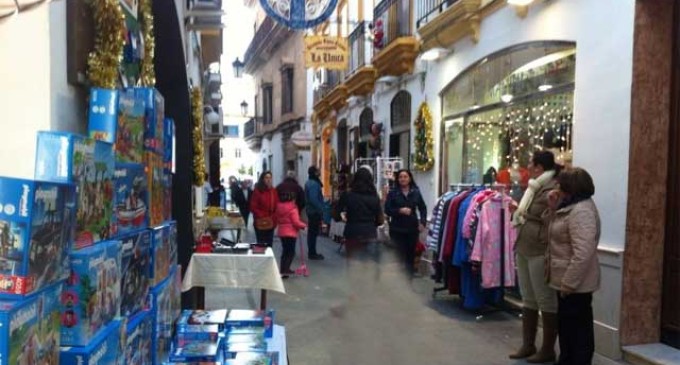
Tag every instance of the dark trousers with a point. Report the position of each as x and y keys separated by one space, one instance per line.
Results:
x=406 y=243
x=575 y=329
x=288 y=253
x=265 y=237
x=314 y=223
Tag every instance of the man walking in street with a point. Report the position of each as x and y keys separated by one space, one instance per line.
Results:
x=314 y=208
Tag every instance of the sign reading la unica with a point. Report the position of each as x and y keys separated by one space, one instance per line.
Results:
x=326 y=52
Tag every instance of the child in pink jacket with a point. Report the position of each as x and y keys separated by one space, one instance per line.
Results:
x=289 y=224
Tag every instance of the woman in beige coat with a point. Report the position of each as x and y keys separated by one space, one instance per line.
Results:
x=574 y=270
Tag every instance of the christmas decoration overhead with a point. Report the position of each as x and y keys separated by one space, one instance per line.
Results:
x=299 y=14
x=104 y=61
x=424 y=154
x=148 y=74
x=197 y=114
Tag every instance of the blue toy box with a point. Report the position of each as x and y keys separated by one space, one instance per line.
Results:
x=197 y=351
x=104 y=349
x=164 y=311
x=103 y=114
x=68 y=157
x=163 y=251
x=251 y=318
x=171 y=232
x=138 y=339
x=200 y=316
x=29 y=328
x=167 y=196
x=155 y=113
x=130 y=204
x=136 y=263
x=91 y=297
x=35 y=232
x=131 y=125
x=168 y=144
x=157 y=189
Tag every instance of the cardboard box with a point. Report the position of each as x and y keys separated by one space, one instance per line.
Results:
x=168 y=144
x=29 y=328
x=138 y=339
x=200 y=316
x=130 y=199
x=36 y=223
x=195 y=351
x=104 y=349
x=91 y=297
x=136 y=263
x=89 y=164
x=251 y=318
x=167 y=196
x=155 y=114
x=131 y=126
x=154 y=171
x=164 y=315
x=103 y=114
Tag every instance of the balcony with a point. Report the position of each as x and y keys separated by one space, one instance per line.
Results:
x=442 y=23
x=396 y=48
x=252 y=133
x=213 y=129
x=361 y=77
x=268 y=37
x=205 y=16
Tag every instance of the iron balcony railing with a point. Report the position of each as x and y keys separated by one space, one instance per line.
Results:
x=391 y=20
x=263 y=31
x=430 y=9
x=252 y=127
x=358 y=47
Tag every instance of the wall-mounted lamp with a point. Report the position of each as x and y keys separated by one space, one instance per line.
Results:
x=244 y=108
x=434 y=54
x=238 y=68
x=210 y=116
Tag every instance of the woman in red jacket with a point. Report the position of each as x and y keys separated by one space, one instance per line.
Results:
x=263 y=207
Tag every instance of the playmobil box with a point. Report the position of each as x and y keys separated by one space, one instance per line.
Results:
x=136 y=263
x=104 y=349
x=89 y=164
x=131 y=124
x=250 y=358
x=193 y=351
x=171 y=232
x=102 y=114
x=130 y=199
x=168 y=144
x=29 y=328
x=200 y=316
x=160 y=254
x=91 y=296
x=154 y=171
x=138 y=339
x=251 y=318
x=35 y=231
x=164 y=316
x=167 y=196
x=155 y=113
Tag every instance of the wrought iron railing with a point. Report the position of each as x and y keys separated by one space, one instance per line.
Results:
x=252 y=127
x=391 y=20
x=430 y=9
x=358 y=40
x=263 y=31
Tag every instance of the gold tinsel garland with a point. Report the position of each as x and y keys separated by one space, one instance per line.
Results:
x=424 y=154
x=199 y=158
x=104 y=61
x=147 y=72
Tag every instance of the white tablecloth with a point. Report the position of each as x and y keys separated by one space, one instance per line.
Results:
x=241 y=271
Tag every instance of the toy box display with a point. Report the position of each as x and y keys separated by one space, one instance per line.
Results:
x=138 y=339
x=154 y=166
x=103 y=114
x=131 y=124
x=249 y=342
x=168 y=144
x=136 y=263
x=193 y=351
x=104 y=349
x=155 y=114
x=29 y=328
x=167 y=196
x=251 y=358
x=164 y=315
x=160 y=254
x=200 y=316
x=35 y=227
x=67 y=157
x=251 y=318
x=91 y=296
x=130 y=204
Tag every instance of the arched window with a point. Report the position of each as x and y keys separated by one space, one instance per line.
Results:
x=400 y=112
x=342 y=142
x=365 y=121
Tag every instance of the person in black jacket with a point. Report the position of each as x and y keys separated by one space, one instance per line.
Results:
x=361 y=210
x=405 y=225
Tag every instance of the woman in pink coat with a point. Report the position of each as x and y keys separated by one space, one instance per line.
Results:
x=289 y=224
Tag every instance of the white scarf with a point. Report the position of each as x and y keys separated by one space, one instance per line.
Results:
x=535 y=185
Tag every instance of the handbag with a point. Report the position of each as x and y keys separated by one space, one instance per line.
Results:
x=266 y=223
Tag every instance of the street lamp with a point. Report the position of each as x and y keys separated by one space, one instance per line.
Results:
x=244 y=108
x=210 y=115
x=238 y=68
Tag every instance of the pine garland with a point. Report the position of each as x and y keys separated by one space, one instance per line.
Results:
x=424 y=145
x=147 y=72
x=104 y=61
x=199 y=158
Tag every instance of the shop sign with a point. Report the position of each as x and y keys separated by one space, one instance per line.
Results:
x=299 y=14
x=302 y=139
x=330 y=53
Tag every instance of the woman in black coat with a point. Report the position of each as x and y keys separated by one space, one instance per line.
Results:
x=408 y=215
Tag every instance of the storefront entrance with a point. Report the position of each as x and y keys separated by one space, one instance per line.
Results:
x=400 y=121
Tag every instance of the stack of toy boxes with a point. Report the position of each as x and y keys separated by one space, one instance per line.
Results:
x=165 y=307
x=105 y=349
x=155 y=150
x=163 y=251
x=138 y=338
x=130 y=208
x=29 y=328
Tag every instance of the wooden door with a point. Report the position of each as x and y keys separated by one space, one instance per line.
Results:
x=670 y=314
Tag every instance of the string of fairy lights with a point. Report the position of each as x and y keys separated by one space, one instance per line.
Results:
x=511 y=134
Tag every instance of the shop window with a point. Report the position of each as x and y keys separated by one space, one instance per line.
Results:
x=505 y=107
x=400 y=121
x=287 y=90
x=267 y=104
x=231 y=131
x=237 y=153
x=342 y=141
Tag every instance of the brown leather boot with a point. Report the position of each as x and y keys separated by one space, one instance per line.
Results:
x=547 y=351
x=529 y=325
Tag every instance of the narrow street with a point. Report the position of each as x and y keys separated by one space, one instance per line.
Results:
x=370 y=314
